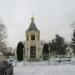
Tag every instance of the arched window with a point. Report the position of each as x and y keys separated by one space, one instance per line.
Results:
x=32 y=37
x=27 y=37
x=38 y=37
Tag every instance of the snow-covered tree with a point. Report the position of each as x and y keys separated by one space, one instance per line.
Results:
x=3 y=35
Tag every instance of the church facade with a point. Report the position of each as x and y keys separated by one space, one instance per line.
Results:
x=33 y=47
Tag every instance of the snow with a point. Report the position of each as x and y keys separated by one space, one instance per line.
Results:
x=37 y=68
x=1 y=54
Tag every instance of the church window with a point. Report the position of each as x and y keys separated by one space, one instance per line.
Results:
x=27 y=49
x=38 y=37
x=27 y=37
x=32 y=37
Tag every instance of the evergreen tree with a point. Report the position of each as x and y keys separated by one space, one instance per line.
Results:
x=73 y=42
x=45 y=48
x=45 y=51
x=20 y=47
x=58 y=45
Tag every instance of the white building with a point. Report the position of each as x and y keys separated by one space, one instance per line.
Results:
x=33 y=47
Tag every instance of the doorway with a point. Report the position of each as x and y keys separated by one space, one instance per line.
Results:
x=32 y=52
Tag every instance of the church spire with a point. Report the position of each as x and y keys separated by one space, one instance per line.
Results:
x=32 y=18
x=32 y=25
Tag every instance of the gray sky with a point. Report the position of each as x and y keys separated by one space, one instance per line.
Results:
x=51 y=17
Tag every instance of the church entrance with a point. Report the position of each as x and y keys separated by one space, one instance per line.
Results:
x=32 y=52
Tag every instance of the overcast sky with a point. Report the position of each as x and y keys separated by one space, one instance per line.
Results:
x=51 y=17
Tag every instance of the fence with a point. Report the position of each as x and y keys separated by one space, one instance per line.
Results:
x=52 y=61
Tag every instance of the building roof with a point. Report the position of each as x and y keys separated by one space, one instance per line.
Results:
x=32 y=26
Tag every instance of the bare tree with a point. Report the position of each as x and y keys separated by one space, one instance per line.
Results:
x=3 y=35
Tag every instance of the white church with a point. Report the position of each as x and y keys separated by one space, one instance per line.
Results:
x=33 y=47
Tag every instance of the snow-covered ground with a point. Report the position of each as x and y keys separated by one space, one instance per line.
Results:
x=44 y=69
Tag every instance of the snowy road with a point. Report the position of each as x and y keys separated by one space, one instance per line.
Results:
x=66 y=69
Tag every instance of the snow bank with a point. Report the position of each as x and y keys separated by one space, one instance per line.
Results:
x=62 y=69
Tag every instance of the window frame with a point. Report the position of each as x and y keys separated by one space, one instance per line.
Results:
x=33 y=37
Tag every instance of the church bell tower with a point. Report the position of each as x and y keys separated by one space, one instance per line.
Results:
x=33 y=46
